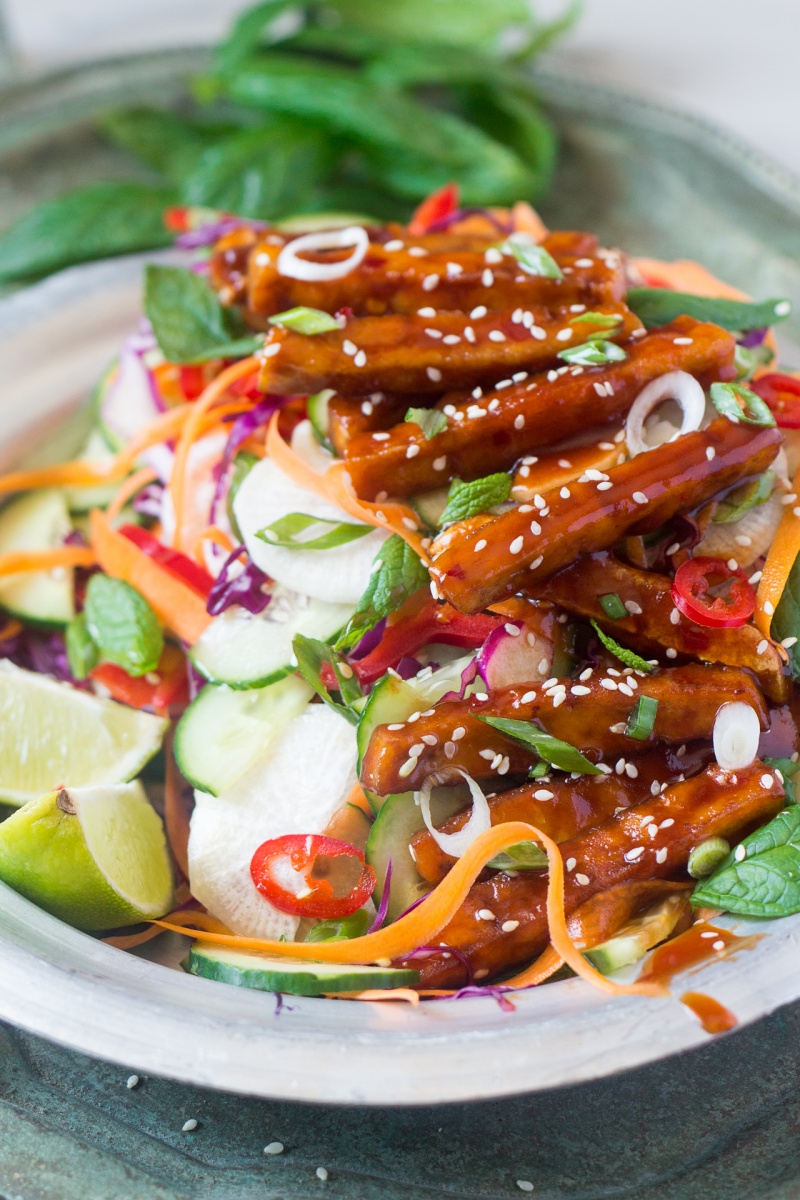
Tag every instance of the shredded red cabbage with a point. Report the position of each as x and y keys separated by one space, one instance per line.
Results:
x=469 y=673
x=460 y=214
x=500 y=994
x=206 y=235
x=44 y=653
x=149 y=500
x=755 y=337
x=245 y=589
x=408 y=667
x=242 y=425
x=369 y=641
x=383 y=907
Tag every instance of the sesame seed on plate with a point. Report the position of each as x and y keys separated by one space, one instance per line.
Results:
x=132 y=1082
x=274 y=1148
x=321 y=1173
x=189 y=1126
x=525 y=1185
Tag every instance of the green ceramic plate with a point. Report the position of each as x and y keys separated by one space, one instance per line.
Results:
x=656 y=182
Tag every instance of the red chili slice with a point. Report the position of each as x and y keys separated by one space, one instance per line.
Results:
x=697 y=593
x=439 y=204
x=168 y=687
x=178 y=564
x=781 y=394
x=276 y=860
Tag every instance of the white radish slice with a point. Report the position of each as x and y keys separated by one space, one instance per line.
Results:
x=736 y=736
x=289 y=264
x=678 y=386
x=508 y=657
x=456 y=844
x=339 y=575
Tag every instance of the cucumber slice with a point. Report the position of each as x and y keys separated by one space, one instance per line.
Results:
x=339 y=575
x=431 y=505
x=246 y=651
x=317 y=406
x=38 y=521
x=395 y=825
x=84 y=499
x=638 y=936
x=223 y=732
x=298 y=978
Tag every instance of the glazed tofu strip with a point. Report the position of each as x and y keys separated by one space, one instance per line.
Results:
x=503 y=922
x=404 y=275
x=492 y=431
x=562 y=807
x=422 y=353
x=349 y=416
x=655 y=624
x=590 y=713
x=528 y=544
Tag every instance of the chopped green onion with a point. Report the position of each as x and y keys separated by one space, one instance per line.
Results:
x=726 y=396
x=612 y=606
x=642 y=719
x=538 y=770
x=340 y=929
x=306 y=320
x=747 y=360
x=524 y=856
x=430 y=420
x=593 y=353
x=551 y=749
x=706 y=857
x=532 y=257
x=600 y=320
x=286 y=533
x=621 y=652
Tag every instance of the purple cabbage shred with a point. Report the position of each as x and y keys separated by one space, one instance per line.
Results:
x=206 y=235
x=243 y=425
x=408 y=667
x=755 y=337
x=460 y=214
x=245 y=589
x=383 y=907
x=369 y=641
x=428 y=951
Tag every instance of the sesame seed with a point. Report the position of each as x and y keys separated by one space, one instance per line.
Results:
x=669 y=821
x=711 y=453
x=762 y=646
x=450 y=749
x=682 y=341
x=733 y=564
x=528 y=698
x=412 y=451
x=410 y=765
x=479 y=312
x=516 y=545
x=458 y=733
x=274 y=1148
x=740 y=853
x=430 y=282
x=440 y=463
x=418 y=251
x=454 y=268
x=132 y=1082
x=581 y=879
x=584 y=262
x=608 y=684
x=598 y=387
x=433 y=333
x=565 y=493
x=481 y=545
x=571 y=864
x=496 y=335
x=485 y=914
x=538 y=333
x=349 y=347
x=525 y=1185
x=543 y=794
x=415 y=751
x=620 y=767
x=452 y=339
x=587 y=674
x=396 y=727
x=481 y=696
x=769 y=608
x=189 y=1126
x=360 y=359
x=632 y=855
x=495 y=763
x=742 y=539
x=321 y=1173
x=487 y=278
x=271 y=351
x=619 y=727
x=367 y=408
x=505 y=766
x=487 y=754
x=564 y=335
x=509 y=926
x=380 y=437
x=719 y=945
x=579 y=690
x=539 y=501
x=434 y=374
x=559 y=699
x=630 y=770
x=639 y=498
x=426 y=312
x=604 y=486
x=661 y=855
x=766 y=781
x=430 y=739
x=477 y=393
x=536 y=528
x=519 y=422
x=788 y=642
x=625 y=689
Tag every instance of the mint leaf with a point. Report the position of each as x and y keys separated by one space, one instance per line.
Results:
x=621 y=652
x=95 y=222
x=430 y=420
x=287 y=531
x=397 y=573
x=594 y=353
x=786 y=621
x=312 y=659
x=788 y=769
x=82 y=654
x=551 y=749
x=532 y=257
x=660 y=306
x=477 y=496
x=188 y=320
x=122 y=625
x=766 y=881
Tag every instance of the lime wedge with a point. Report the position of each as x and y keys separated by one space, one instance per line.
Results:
x=95 y=857
x=53 y=735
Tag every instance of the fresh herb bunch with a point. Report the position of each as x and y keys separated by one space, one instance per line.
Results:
x=314 y=105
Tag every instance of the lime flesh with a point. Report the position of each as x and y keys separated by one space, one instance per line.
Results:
x=96 y=858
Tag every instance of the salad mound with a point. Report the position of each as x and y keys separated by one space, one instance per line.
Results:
x=454 y=566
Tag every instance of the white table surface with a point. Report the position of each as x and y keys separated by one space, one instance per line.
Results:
x=733 y=61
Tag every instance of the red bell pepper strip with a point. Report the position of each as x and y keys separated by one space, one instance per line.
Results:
x=168 y=687
x=709 y=593
x=434 y=208
x=420 y=621
x=279 y=858
x=193 y=381
x=781 y=394
x=178 y=564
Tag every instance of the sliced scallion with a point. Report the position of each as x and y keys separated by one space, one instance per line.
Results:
x=642 y=719
x=594 y=353
x=706 y=857
x=550 y=749
x=286 y=532
x=306 y=320
x=430 y=420
x=612 y=606
x=532 y=257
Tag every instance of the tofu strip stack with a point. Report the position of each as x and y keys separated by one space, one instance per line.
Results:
x=459 y=323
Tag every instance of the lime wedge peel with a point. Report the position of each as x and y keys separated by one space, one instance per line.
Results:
x=96 y=858
x=53 y=735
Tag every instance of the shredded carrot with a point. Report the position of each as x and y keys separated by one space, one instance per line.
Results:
x=781 y=558
x=288 y=461
x=129 y=941
x=175 y=604
x=420 y=926
x=17 y=561
x=359 y=800
x=133 y=484
x=683 y=275
x=183 y=919
x=549 y=472
x=211 y=534
x=10 y=629
x=191 y=431
x=396 y=518
x=525 y=219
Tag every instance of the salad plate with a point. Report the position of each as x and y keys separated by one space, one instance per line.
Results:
x=140 y=1009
